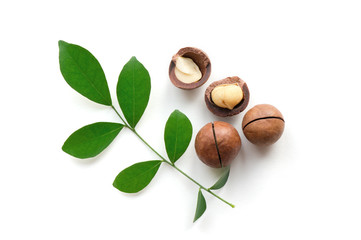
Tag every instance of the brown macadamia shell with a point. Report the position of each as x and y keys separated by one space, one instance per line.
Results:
x=206 y=148
x=263 y=125
x=224 y=112
x=200 y=58
x=217 y=144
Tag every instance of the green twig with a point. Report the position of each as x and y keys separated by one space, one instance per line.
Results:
x=169 y=162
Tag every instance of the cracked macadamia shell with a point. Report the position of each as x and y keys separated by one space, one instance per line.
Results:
x=263 y=124
x=224 y=112
x=217 y=144
x=200 y=58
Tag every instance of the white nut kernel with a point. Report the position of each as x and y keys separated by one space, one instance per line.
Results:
x=227 y=95
x=186 y=70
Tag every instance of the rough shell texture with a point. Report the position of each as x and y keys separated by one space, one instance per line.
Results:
x=200 y=58
x=263 y=124
x=217 y=144
x=224 y=112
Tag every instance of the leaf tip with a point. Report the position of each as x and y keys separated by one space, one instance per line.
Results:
x=201 y=206
x=61 y=43
x=114 y=184
x=177 y=111
x=65 y=147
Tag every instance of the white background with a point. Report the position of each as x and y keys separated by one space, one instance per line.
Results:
x=304 y=57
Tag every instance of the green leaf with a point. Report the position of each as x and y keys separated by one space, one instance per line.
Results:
x=222 y=180
x=177 y=135
x=92 y=139
x=133 y=90
x=82 y=71
x=201 y=206
x=136 y=177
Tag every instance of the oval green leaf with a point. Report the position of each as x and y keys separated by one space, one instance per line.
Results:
x=177 y=135
x=133 y=90
x=136 y=177
x=201 y=206
x=222 y=180
x=82 y=71
x=92 y=139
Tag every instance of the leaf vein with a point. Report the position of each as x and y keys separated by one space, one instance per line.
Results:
x=143 y=173
x=86 y=76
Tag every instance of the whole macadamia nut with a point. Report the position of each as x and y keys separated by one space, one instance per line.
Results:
x=217 y=144
x=263 y=124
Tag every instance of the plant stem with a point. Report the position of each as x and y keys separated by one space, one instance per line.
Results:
x=124 y=122
x=205 y=189
x=169 y=162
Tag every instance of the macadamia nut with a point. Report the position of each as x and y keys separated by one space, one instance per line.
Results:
x=217 y=144
x=186 y=70
x=263 y=124
x=227 y=95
